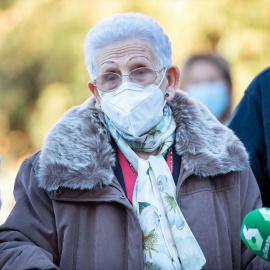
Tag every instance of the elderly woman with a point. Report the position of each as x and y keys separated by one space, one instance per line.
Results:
x=138 y=177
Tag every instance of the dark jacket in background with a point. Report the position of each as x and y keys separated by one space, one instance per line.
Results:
x=251 y=123
x=71 y=213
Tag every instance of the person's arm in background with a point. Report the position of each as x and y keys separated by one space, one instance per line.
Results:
x=28 y=238
x=251 y=123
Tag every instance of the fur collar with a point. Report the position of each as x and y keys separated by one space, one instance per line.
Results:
x=77 y=152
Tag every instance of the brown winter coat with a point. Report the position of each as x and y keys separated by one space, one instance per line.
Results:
x=71 y=212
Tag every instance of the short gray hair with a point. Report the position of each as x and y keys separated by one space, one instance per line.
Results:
x=121 y=26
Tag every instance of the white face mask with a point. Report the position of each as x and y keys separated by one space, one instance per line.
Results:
x=134 y=109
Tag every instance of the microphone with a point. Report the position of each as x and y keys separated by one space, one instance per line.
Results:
x=255 y=232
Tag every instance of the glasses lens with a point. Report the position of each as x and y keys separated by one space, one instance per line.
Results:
x=143 y=76
x=108 y=81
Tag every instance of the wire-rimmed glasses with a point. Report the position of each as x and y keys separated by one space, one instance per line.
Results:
x=143 y=76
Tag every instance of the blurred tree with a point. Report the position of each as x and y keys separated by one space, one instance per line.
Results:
x=41 y=48
x=4 y=4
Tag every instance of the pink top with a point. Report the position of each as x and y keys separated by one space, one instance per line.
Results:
x=128 y=175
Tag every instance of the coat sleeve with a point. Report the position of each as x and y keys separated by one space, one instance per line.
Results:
x=250 y=199
x=248 y=125
x=28 y=237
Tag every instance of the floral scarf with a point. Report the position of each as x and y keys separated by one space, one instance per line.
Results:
x=167 y=239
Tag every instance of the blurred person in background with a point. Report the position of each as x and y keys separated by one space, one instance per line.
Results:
x=207 y=78
x=140 y=176
x=251 y=122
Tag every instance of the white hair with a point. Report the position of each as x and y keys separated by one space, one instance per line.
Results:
x=122 y=26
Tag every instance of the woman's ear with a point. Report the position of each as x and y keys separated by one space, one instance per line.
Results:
x=94 y=91
x=172 y=75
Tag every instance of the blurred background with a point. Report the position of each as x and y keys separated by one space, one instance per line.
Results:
x=42 y=70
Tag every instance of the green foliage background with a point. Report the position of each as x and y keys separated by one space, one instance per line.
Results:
x=42 y=70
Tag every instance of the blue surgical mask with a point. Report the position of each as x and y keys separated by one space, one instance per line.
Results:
x=212 y=94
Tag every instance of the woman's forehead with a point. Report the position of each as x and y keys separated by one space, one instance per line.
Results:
x=204 y=70
x=126 y=52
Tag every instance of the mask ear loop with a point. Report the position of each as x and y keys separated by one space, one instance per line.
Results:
x=99 y=92
x=164 y=74
x=166 y=94
x=158 y=86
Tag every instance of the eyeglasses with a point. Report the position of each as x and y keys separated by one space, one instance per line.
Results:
x=143 y=76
